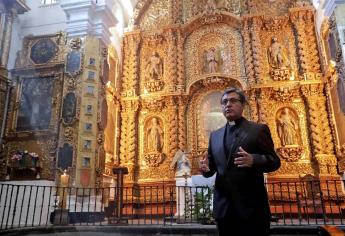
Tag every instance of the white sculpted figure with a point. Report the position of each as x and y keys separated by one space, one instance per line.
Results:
x=182 y=164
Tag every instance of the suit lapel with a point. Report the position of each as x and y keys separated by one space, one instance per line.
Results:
x=222 y=158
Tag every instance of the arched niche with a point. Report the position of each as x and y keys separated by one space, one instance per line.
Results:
x=204 y=113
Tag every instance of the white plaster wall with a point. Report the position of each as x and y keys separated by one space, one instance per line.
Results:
x=39 y=20
x=42 y=19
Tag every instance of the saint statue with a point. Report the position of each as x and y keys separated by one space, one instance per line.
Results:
x=287 y=128
x=182 y=164
x=154 y=137
x=155 y=66
x=211 y=60
x=276 y=55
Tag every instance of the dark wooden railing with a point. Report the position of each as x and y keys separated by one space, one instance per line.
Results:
x=292 y=203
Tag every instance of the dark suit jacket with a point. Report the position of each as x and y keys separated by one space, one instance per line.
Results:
x=242 y=190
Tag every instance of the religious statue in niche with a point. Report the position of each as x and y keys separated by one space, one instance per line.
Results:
x=154 y=73
x=182 y=163
x=276 y=54
x=212 y=60
x=287 y=128
x=154 y=143
x=155 y=66
x=154 y=136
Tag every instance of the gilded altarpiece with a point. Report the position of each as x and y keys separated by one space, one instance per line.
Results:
x=180 y=56
x=32 y=126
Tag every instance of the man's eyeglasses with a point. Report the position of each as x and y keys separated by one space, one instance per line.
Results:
x=231 y=101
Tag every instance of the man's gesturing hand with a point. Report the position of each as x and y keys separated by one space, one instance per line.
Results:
x=204 y=165
x=244 y=159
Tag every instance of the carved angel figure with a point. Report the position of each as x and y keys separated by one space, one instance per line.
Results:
x=287 y=128
x=276 y=55
x=155 y=66
x=154 y=137
x=182 y=163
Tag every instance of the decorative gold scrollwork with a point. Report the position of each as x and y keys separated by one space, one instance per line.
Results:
x=290 y=153
x=154 y=159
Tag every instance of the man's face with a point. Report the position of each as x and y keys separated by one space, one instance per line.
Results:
x=231 y=106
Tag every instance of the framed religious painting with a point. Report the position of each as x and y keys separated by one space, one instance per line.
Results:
x=65 y=156
x=73 y=65
x=35 y=103
x=69 y=108
x=43 y=51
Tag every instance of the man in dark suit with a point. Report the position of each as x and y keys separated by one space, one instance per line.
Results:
x=240 y=152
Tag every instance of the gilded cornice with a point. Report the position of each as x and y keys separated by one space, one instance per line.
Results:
x=207 y=19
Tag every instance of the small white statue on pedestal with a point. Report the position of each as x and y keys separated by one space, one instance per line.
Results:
x=182 y=164
x=183 y=181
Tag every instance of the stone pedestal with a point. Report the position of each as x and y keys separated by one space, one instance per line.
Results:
x=183 y=194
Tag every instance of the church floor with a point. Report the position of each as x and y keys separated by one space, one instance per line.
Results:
x=180 y=230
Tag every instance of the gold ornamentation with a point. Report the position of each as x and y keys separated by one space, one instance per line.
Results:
x=275 y=23
x=100 y=138
x=341 y=157
x=283 y=94
x=327 y=164
x=154 y=159
x=290 y=153
x=71 y=83
x=69 y=133
x=75 y=43
x=294 y=168
x=153 y=104
x=269 y=80
x=280 y=74
x=154 y=86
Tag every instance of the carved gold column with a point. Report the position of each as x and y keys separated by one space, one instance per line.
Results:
x=253 y=105
x=180 y=61
x=248 y=52
x=182 y=106
x=320 y=131
x=256 y=47
x=6 y=44
x=297 y=19
x=130 y=104
x=130 y=79
x=313 y=54
x=129 y=134
x=173 y=125
x=171 y=60
x=264 y=97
